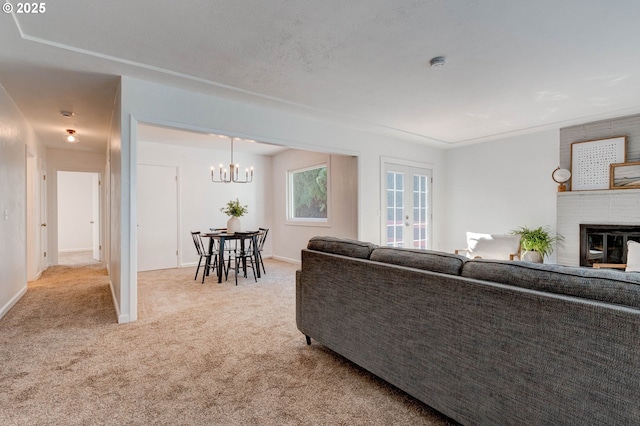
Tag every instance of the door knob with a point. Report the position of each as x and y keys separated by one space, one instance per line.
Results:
x=91 y=222
x=43 y=224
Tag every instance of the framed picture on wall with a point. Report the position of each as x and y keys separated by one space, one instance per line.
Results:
x=591 y=162
x=625 y=176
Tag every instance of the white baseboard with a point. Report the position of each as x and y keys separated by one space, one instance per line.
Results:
x=288 y=260
x=7 y=307
x=73 y=250
x=121 y=318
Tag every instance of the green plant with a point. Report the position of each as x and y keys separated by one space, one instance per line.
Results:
x=538 y=240
x=234 y=209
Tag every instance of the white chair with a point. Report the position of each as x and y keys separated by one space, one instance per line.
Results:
x=491 y=246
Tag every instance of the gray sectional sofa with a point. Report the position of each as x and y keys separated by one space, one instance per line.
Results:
x=483 y=342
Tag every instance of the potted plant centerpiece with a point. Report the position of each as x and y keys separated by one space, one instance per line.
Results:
x=234 y=210
x=535 y=243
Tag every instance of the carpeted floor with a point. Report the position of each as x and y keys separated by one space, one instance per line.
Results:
x=199 y=354
x=76 y=258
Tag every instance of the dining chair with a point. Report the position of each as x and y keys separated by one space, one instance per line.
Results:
x=230 y=248
x=262 y=237
x=204 y=253
x=244 y=252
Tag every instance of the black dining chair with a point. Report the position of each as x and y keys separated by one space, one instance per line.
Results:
x=210 y=257
x=230 y=248
x=244 y=254
x=262 y=237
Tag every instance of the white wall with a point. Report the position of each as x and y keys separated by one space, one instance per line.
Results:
x=163 y=105
x=16 y=137
x=497 y=186
x=118 y=236
x=75 y=211
x=288 y=239
x=200 y=199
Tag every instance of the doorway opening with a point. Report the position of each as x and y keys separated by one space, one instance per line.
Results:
x=78 y=218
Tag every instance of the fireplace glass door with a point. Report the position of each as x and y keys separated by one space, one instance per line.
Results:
x=606 y=244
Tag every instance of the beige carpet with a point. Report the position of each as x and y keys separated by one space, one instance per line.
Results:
x=76 y=258
x=199 y=354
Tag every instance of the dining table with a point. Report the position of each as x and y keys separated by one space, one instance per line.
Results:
x=223 y=237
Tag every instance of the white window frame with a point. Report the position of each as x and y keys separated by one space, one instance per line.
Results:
x=295 y=221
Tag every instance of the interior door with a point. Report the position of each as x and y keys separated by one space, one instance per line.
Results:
x=157 y=197
x=32 y=216
x=95 y=215
x=44 y=263
x=407 y=216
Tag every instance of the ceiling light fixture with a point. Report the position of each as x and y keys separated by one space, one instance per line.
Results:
x=233 y=171
x=437 y=62
x=70 y=136
x=66 y=114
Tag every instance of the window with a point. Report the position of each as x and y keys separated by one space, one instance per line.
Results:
x=308 y=195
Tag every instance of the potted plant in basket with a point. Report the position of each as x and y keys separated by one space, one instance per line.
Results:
x=235 y=210
x=535 y=243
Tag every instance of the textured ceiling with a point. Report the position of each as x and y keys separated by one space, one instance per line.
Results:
x=512 y=66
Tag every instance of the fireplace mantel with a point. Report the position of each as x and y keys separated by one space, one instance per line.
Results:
x=615 y=207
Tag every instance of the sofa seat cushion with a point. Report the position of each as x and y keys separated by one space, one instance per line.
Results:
x=342 y=246
x=605 y=285
x=427 y=260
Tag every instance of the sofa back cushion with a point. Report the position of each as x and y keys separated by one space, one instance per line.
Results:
x=427 y=260
x=613 y=286
x=342 y=246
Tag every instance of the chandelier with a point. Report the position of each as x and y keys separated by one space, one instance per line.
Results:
x=231 y=175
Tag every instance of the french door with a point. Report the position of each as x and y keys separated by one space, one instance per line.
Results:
x=407 y=215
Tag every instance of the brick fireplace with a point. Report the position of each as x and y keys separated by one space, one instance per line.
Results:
x=575 y=208
x=620 y=207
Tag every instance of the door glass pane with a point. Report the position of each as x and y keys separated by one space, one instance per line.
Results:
x=595 y=248
x=419 y=211
x=395 y=208
x=615 y=248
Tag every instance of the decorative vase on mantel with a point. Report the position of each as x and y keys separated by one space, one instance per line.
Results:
x=233 y=225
